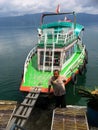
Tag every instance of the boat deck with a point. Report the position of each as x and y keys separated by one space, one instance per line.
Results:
x=6 y=110
x=39 y=78
x=70 y=118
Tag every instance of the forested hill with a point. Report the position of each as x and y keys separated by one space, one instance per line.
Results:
x=34 y=20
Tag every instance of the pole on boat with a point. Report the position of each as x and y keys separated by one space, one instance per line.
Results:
x=49 y=14
x=74 y=19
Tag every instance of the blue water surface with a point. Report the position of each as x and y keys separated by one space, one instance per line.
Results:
x=15 y=44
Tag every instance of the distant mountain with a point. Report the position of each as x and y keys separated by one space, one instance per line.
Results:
x=87 y=19
x=26 y=20
x=34 y=20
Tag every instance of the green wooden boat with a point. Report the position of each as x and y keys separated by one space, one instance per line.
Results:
x=59 y=47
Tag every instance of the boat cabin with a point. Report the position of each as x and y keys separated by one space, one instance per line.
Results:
x=55 y=47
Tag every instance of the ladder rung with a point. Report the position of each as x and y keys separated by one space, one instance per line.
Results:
x=20 y=116
x=27 y=105
x=31 y=97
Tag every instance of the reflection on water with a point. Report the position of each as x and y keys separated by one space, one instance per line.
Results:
x=91 y=41
x=15 y=44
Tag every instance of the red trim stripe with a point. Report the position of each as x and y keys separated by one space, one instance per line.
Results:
x=43 y=90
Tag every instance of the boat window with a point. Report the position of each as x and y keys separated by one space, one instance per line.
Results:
x=48 y=58
x=68 y=53
x=56 y=58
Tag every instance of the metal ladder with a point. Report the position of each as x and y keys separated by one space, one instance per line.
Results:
x=23 y=112
x=45 y=42
x=53 y=48
x=45 y=50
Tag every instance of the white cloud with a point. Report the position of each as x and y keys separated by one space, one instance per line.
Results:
x=21 y=7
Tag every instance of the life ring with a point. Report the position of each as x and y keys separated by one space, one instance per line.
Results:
x=74 y=78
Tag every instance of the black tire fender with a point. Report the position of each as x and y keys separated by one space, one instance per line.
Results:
x=86 y=56
x=84 y=64
x=74 y=78
x=81 y=69
x=22 y=75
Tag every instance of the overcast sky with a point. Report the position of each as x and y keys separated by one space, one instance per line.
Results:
x=21 y=7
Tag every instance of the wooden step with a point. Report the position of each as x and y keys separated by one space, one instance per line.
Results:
x=20 y=116
x=27 y=105
x=28 y=97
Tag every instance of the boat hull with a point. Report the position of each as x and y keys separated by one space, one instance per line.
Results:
x=37 y=78
x=59 y=47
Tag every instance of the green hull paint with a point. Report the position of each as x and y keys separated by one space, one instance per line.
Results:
x=34 y=77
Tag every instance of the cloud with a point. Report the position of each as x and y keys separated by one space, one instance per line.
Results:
x=21 y=7
x=88 y=6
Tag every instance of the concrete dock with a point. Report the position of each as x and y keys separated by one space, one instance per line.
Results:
x=6 y=110
x=70 y=118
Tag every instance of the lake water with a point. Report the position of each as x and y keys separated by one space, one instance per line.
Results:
x=15 y=44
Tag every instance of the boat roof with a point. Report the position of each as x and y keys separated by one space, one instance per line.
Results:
x=61 y=24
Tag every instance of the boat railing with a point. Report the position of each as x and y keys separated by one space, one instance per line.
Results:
x=76 y=63
x=28 y=59
x=80 y=44
x=63 y=37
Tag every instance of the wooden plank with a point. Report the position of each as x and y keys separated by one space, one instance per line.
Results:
x=32 y=98
x=28 y=114
x=24 y=110
x=22 y=113
x=19 y=122
x=26 y=105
